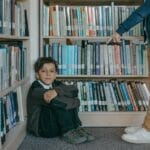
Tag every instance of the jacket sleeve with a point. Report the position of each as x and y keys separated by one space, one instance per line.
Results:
x=67 y=96
x=66 y=102
x=66 y=90
x=36 y=95
x=136 y=17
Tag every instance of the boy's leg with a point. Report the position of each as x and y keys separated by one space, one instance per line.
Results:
x=48 y=126
x=67 y=119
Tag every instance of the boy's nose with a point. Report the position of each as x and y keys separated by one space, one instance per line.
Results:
x=48 y=72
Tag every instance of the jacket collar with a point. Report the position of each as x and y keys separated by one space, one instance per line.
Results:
x=45 y=86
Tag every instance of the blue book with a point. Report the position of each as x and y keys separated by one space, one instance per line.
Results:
x=64 y=59
x=70 y=59
x=60 y=59
x=75 y=60
x=46 y=50
x=55 y=48
x=79 y=21
x=126 y=96
x=91 y=99
x=2 y=127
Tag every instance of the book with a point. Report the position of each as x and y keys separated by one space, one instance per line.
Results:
x=132 y=98
x=95 y=96
x=136 y=95
x=113 y=97
x=26 y=23
x=1 y=16
x=13 y=17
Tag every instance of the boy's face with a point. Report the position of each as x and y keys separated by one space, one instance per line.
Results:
x=47 y=74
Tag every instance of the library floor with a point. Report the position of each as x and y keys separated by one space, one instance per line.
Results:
x=106 y=139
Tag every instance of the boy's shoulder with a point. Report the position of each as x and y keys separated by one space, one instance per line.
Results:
x=35 y=84
x=57 y=83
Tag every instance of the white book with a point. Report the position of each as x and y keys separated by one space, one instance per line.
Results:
x=55 y=20
x=110 y=105
x=79 y=95
x=62 y=23
x=113 y=97
x=146 y=90
x=88 y=59
x=145 y=62
x=106 y=63
x=111 y=59
x=128 y=49
x=88 y=96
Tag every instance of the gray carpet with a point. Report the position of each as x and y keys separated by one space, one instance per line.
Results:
x=106 y=139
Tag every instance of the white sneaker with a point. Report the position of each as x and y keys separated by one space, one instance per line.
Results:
x=131 y=129
x=139 y=136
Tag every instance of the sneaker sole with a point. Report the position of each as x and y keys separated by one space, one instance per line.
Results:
x=131 y=131
x=135 y=142
x=75 y=142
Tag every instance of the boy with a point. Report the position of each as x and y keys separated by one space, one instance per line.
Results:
x=52 y=107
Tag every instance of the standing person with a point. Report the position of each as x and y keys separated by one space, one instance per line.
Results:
x=52 y=107
x=142 y=13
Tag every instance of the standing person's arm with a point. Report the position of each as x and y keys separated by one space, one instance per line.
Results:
x=136 y=17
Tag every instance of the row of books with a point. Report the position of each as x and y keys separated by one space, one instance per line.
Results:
x=86 y=20
x=9 y=115
x=112 y=95
x=13 y=63
x=13 y=18
x=95 y=58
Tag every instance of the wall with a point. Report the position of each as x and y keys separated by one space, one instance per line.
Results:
x=34 y=33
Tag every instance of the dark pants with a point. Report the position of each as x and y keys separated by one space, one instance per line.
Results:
x=55 y=121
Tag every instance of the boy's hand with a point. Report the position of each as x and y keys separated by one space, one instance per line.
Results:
x=49 y=95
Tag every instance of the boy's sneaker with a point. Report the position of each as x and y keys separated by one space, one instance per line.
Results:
x=83 y=132
x=74 y=137
x=138 y=137
x=131 y=129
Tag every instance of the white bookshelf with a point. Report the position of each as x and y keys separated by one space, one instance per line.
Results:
x=97 y=119
x=111 y=119
x=17 y=133
x=15 y=136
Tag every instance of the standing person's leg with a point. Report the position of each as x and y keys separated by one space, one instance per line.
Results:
x=146 y=123
x=141 y=134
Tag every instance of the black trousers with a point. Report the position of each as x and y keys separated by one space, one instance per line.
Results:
x=55 y=121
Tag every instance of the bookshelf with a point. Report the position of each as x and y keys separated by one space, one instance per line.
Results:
x=54 y=18
x=14 y=71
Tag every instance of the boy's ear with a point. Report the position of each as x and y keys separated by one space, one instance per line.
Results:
x=37 y=76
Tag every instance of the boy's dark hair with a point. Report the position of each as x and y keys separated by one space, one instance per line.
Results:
x=43 y=60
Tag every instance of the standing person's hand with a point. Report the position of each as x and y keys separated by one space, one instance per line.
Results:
x=116 y=37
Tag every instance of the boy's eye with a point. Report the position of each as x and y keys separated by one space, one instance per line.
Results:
x=47 y=71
